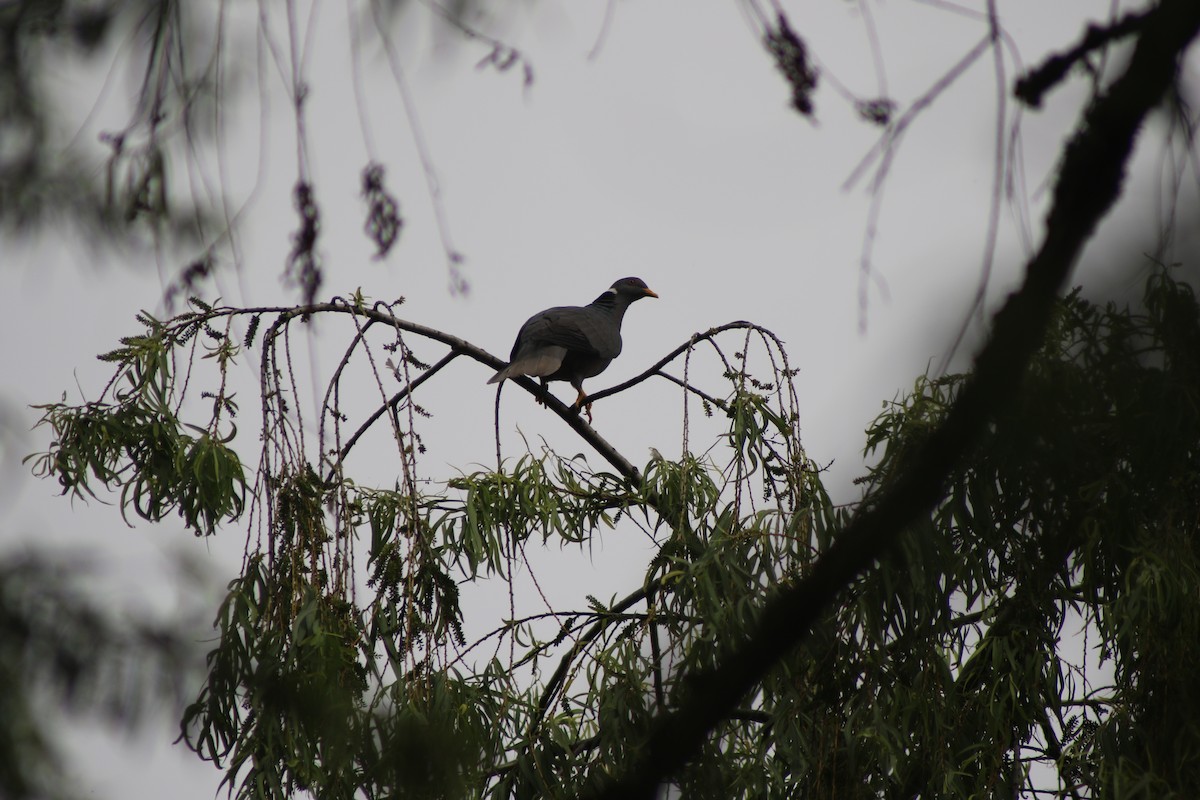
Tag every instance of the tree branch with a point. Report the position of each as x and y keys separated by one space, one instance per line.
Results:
x=1088 y=185
x=392 y=402
x=656 y=368
x=458 y=347
x=1033 y=85
x=705 y=396
x=381 y=313
x=558 y=679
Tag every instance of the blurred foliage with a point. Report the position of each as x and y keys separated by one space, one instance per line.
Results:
x=48 y=180
x=132 y=437
x=791 y=58
x=57 y=642
x=1038 y=631
x=150 y=177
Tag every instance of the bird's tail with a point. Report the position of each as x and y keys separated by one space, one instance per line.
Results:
x=501 y=375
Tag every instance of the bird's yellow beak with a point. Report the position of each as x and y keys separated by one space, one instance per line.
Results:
x=650 y=293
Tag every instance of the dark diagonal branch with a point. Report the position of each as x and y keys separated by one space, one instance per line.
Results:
x=1033 y=85
x=559 y=679
x=572 y=417
x=1088 y=185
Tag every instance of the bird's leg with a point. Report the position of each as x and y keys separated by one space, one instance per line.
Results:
x=579 y=403
x=544 y=383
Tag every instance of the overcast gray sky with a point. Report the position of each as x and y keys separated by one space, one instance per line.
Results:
x=671 y=154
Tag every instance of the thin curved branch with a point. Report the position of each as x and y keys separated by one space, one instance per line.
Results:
x=705 y=396
x=392 y=402
x=656 y=368
x=884 y=148
x=1089 y=183
x=333 y=388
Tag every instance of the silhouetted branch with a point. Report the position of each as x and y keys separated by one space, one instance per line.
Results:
x=1088 y=185
x=393 y=402
x=1034 y=84
x=382 y=313
x=656 y=368
x=570 y=415
x=705 y=396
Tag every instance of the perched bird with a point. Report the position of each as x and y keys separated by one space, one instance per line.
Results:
x=570 y=343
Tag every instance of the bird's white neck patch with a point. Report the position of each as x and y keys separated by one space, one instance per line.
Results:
x=611 y=290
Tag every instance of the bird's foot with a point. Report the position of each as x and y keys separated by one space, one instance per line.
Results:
x=581 y=402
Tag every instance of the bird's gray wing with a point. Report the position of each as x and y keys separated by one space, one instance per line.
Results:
x=570 y=327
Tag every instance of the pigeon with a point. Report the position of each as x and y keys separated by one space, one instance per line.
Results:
x=571 y=343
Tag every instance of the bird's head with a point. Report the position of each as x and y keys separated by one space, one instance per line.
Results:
x=633 y=288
